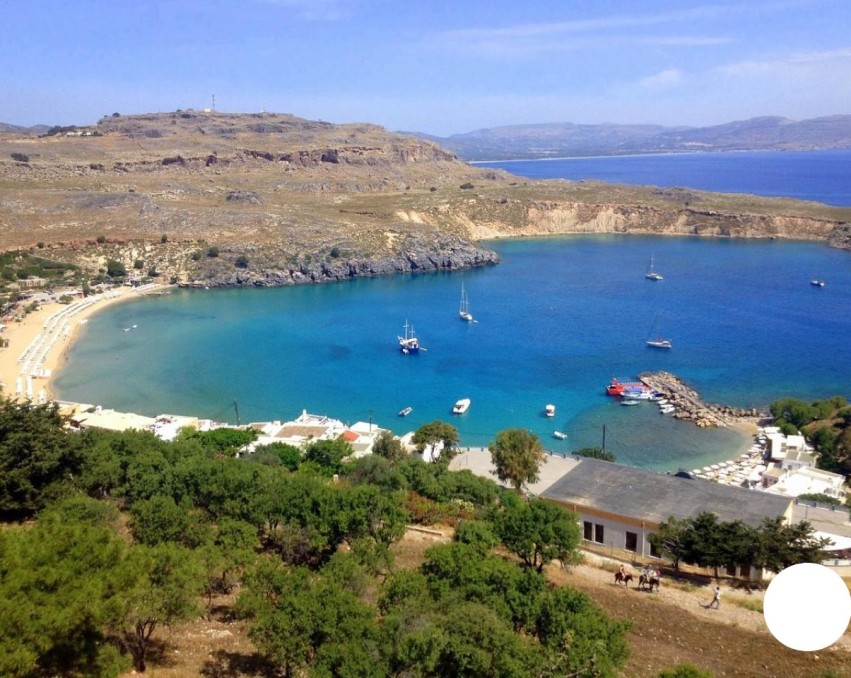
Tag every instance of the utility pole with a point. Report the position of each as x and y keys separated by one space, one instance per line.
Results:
x=236 y=409
x=604 y=438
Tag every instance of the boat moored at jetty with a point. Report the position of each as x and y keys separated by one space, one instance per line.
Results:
x=461 y=406
x=409 y=343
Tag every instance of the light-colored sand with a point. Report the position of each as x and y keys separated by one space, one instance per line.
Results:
x=22 y=334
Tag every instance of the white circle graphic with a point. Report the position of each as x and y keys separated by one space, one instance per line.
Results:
x=807 y=607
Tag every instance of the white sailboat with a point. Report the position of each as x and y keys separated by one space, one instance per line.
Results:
x=651 y=272
x=464 y=310
x=656 y=341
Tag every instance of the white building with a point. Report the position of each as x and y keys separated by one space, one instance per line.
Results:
x=804 y=480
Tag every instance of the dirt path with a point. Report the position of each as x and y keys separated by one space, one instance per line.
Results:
x=671 y=627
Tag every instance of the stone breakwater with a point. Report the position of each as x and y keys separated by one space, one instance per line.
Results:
x=689 y=406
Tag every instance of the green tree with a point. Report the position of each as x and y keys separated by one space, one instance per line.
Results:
x=55 y=592
x=779 y=545
x=288 y=455
x=668 y=539
x=300 y=619
x=479 y=534
x=159 y=586
x=432 y=435
x=220 y=441
x=115 y=269
x=138 y=264
x=580 y=640
x=328 y=455
x=517 y=455
x=595 y=453
x=539 y=532
x=38 y=458
x=389 y=447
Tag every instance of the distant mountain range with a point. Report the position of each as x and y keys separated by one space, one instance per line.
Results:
x=553 y=140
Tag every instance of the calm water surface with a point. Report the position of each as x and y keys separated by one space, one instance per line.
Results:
x=823 y=176
x=556 y=320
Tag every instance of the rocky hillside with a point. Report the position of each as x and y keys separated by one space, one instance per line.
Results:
x=554 y=140
x=271 y=199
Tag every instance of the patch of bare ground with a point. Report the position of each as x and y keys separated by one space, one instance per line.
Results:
x=669 y=627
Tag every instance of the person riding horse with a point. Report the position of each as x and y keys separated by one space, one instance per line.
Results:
x=623 y=577
x=649 y=578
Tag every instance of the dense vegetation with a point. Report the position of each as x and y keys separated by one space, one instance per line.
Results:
x=827 y=424
x=121 y=534
x=709 y=542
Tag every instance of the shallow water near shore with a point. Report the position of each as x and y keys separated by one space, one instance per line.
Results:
x=556 y=320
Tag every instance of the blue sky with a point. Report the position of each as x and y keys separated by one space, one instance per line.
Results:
x=435 y=66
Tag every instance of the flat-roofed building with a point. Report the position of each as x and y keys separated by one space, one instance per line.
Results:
x=620 y=506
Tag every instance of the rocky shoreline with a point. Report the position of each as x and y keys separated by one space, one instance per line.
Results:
x=689 y=406
x=458 y=255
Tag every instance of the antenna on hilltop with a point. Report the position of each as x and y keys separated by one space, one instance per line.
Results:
x=214 y=103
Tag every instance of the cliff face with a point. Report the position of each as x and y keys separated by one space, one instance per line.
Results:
x=282 y=200
x=554 y=217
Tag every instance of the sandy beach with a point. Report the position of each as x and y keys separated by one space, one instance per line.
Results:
x=39 y=342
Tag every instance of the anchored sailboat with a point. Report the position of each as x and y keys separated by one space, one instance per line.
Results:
x=655 y=340
x=409 y=343
x=464 y=310
x=651 y=272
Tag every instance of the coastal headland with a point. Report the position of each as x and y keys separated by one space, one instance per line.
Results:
x=265 y=199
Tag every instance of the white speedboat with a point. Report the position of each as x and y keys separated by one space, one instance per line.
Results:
x=550 y=410
x=559 y=435
x=461 y=406
x=405 y=412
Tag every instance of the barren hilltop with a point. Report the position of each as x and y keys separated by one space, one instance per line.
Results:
x=273 y=199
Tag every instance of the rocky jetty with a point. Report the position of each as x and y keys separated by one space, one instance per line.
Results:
x=688 y=404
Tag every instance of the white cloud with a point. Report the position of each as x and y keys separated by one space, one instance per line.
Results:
x=666 y=79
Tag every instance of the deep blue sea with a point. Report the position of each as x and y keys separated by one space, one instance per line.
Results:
x=556 y=320
x=823 y=176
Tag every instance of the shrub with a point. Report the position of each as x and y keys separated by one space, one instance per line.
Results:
x=163 y=238
x=241 y=261
x=101 y=239
x=196 y=256
x=115 y=269
x=20 y=157
x=335 y=252
x=466 y=186
x=138 y=264
x=213 y=251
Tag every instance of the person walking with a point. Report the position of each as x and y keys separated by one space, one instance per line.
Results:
x=716 y=599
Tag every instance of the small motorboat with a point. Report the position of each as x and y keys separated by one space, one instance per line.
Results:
x=550 y=410
x=817 y=283
x=628 y=403
x=461 y=406
x=559 y=435
x=405 y=412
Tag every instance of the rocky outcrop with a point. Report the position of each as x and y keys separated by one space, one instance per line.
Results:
x=447 y=255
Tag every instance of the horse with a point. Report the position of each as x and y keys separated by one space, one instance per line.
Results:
x=623 y=578
x=649 y=581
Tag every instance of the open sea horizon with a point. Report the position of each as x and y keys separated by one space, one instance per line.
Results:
x=557 y=319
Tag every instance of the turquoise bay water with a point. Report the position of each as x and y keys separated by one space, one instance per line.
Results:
x=556 y=320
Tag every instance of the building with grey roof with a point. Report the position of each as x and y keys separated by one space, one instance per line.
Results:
x=620 y=506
